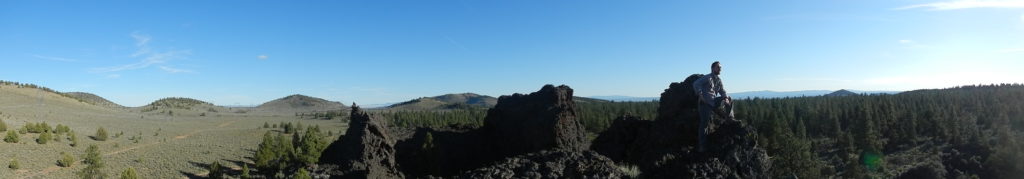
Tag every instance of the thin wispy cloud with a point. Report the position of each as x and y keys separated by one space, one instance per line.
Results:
x=456 y=43
x=114 y=76
x=148 y=57
x=966 y=4
x=59 y=59
x=149 y=60
x=140 y=39
x=262 y=57
x=175 y=70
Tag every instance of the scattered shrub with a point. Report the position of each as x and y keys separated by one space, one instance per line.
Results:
x=302 y=174
x=66 y=160
x=3 y=125
x=44 y=137
x=12 y=137
x=129 y=174
x=73 y=138
x=62 y=129
x=101 y=134
x=14 y=164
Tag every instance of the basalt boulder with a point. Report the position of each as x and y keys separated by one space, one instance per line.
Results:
x=666 y=146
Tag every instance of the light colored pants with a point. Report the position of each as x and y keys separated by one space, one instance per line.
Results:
x=705 y=116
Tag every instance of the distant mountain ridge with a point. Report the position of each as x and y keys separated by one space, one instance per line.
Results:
x=842 y=92
x=447 y=101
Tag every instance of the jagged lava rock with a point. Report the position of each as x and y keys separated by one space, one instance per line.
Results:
x=664 y=148
x=550 y=164
x=366 y=150
x=542 y=120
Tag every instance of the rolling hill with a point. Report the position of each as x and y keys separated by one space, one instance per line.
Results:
x=299 y=103
x=93 y=99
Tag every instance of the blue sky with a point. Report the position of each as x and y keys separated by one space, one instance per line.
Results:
x=371 y=52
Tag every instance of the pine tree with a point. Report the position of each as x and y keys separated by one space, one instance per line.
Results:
x=94 y=164
x=311 y=146
x=266 y=155
x=245 y=172
x=216 y=171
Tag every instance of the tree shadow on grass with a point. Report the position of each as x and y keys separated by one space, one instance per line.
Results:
x=228 y=170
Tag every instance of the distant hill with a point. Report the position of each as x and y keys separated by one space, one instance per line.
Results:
x=29 y=99
x=181 y=106
x=778 y=94
x=299 y=103
x=447 y=101
x=93 y=99
x=578 y=99
x=842 y=92
x=783 y=94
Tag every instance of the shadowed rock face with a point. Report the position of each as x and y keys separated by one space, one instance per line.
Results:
x=665 y=147
x=545 y=119
x=518 y=125
x=366 y=150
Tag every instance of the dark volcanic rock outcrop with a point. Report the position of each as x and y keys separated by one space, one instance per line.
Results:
x=538 y=136
x=665 y=147
x=509 y=144
x=517 y=125
x=550 y=164
x=545 y=119
x=366 y=150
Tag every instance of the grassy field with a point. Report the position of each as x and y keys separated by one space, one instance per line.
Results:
x=171 y=146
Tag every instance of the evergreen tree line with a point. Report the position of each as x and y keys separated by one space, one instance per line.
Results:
x=442 y=118
x=597 y=116
x=972 y=131
x=325 y=115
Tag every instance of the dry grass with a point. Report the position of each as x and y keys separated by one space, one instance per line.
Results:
x=171 y=146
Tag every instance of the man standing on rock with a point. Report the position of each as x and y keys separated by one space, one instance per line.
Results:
x=711 y=96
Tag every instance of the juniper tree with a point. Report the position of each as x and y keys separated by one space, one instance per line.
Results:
x=94 y=164
x=101 y=134
x=44 y=138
